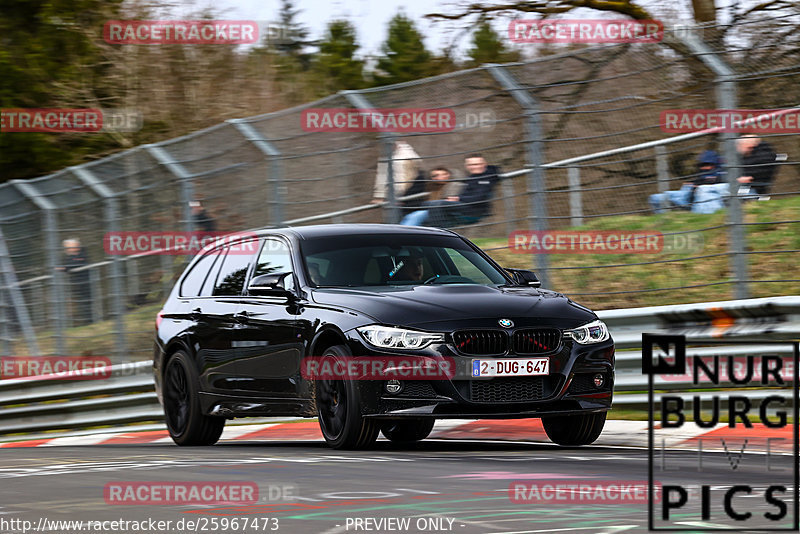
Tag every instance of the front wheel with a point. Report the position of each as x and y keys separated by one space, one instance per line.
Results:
x=572 y=430
x=186 y=422
x=338 y=408
x=407 y=431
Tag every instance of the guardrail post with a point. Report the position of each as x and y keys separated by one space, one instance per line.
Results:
x=662 y=168
x=57 y=297
x=117 y=302
x=537 y=208
x=358 y=101
x=726 y=99
x=275 y=168
x=184 y=178
x=575 y=196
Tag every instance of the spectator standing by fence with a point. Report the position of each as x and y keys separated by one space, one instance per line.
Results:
x=75 y=256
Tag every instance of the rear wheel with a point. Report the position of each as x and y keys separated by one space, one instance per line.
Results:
x=574 y=429
x=186 y=423
x=407 y=431
x=338 y=408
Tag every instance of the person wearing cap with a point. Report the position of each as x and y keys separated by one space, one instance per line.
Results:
x=709 y=173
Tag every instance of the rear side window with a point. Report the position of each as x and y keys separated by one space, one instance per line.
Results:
x=230 y=280
x=192 y=282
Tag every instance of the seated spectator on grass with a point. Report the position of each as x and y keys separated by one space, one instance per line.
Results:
x=709 y=173
x=441 y=186
x=758 y=165
x=471 y=205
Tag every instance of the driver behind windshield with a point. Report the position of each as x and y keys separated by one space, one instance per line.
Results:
x=408 y=268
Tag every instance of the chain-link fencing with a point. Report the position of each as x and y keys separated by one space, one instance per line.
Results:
x=579 y=138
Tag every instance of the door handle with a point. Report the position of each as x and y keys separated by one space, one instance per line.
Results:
x=196 y=313
x=241 y=315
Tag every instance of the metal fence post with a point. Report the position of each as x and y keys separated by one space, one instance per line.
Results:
x=508 y=200
x=5 y=331
x=662 y=168
x=277 y=216
x=726 y=99
x=16 y=297
x=387 y=140
x=537 y=208
x=575 y=196
x=111 y=215
x=184 y=178
x=57 y=296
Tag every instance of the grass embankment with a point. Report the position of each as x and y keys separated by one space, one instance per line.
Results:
x=606 y=285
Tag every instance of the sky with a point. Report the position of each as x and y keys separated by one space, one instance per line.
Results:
x=371 y=17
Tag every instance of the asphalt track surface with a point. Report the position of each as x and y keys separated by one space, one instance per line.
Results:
x=436 y=485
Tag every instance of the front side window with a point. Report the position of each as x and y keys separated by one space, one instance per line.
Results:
x=275 y=258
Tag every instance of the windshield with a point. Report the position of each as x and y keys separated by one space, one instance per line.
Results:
x=395 y=260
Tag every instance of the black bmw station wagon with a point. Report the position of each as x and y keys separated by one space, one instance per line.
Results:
x=362 y=306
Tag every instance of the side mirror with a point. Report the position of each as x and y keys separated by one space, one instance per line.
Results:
x=269 y=285
x=524 y=278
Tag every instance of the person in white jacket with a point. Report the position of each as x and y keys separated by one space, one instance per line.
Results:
x=405 y=166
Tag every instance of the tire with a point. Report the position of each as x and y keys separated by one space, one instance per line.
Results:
x=407 y=431
x=186 y=423
x=572 y=430
x=338 y=409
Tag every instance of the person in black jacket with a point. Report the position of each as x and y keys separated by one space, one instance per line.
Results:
x=474 y=201
x=758 y=163
x=201 y=219
x=75 y=256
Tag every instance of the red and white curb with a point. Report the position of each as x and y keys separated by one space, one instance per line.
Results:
x=616 y=433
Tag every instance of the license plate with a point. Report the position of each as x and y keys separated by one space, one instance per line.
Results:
x=515 y=367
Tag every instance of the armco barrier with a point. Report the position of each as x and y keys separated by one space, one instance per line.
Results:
x=39 y=404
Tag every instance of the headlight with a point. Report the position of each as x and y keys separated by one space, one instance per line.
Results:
x=594 y=332
x=387 y=337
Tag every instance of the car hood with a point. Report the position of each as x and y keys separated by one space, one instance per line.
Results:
x=448 y=307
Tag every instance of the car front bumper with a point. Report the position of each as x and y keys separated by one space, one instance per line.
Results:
x=568 y=389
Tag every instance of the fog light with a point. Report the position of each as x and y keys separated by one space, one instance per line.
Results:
x=393 y=386
x=599 y=380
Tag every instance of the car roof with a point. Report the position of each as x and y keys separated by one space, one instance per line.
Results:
x=333 y=230
x=330 y=230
